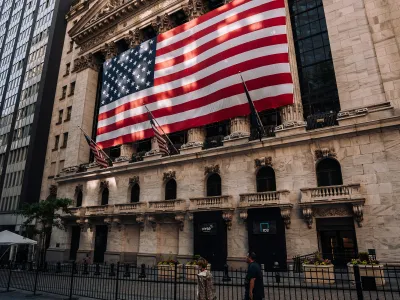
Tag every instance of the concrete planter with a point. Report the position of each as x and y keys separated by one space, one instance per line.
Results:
x=369 y=270
x=168 y=271
x=321 y=274
x=191 y=271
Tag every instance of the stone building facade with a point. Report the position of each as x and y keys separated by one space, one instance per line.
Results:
x=333 y=188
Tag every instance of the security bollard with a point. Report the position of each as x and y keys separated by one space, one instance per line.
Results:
x=226 y=273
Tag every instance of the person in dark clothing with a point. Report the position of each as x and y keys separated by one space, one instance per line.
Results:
x=254 y=285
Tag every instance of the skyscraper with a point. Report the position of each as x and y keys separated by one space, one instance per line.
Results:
x=31 y=38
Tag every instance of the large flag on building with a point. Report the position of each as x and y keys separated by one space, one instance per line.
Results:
x=97 y=152
x=188 y=76
x=162 y=143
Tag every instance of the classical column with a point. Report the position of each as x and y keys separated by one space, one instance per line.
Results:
x=127 y=150
x=162 y=23
x=109 y=50
x=185 y=246
x=147 y=244
x=240 y=131
x=194 y=9
x=134 y=38
x=83 y=109
x=292 y=115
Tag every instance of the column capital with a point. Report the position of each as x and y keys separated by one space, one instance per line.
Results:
x=134 y=38
x=194 y=9
x=162 y=23
x=109 y=50
x=84 y=62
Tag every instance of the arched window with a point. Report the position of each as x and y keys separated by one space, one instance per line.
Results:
x=214 y=185
x=135 y=193
x=266 y=180
x=329 y=172
x=170 y=190
x=104 y=196
x=79 y=198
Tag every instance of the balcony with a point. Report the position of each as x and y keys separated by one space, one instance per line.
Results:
x=167 y=206
x=211 y=203
x=99 y=210
x=330 y=194
x=275 y=198
x=130 y=208
x=74 y=213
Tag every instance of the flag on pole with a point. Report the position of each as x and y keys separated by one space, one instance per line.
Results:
x=162 y=143
x=255 y=120
x=187 y=76
x=98 y=153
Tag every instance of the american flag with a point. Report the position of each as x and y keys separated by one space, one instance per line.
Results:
x=162 y=143
x=188 y=76
x=98 y=153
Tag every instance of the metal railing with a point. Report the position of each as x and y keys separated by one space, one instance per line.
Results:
x=179 y=282
x=321 y=120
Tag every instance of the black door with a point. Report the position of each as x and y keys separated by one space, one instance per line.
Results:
x=75 y=237
x=100 y=243
x=210 y=238
x=266 y=232
x=337 y=238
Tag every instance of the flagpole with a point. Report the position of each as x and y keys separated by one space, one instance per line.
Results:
x=94 y=143
x=162 y=130
x=255 y=110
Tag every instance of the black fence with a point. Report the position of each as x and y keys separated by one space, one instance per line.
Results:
x=167 y=282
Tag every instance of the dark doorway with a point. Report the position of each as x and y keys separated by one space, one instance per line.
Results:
x=210 y=238
x=79 y=198
x=75 y=237
x=266 y=180
x=266 y=232
x=170 y=190
x=329 y=172
x=104 y=196
x=135 y=193
x=337 y=239
x=100 y=243
x=214 y=185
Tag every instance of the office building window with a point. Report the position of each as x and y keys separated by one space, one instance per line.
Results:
x=56 y=141
x=60 y=116
x=65 y=140
x=67 y=69
x=72 y=89
x=69 y=111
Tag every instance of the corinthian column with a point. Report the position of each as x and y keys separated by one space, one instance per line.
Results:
x=240 y=131
x=292 y=115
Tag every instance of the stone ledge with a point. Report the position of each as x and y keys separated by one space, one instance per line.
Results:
x=364 y=114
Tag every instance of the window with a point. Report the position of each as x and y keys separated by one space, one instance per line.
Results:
x=214 y=185
x=56 y=141
x=65 y=140
x=170 y=190
x=60 y=116
x=135 y=193
x=67 y=69
x=104 y=196
x=71 y=46
x=72 y=89
x=266 y=180
x=79 y=198
x=314 y=60
x=63 y=92
x=329 y=172
x=69 y=111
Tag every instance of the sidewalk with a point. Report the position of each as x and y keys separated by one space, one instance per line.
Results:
x=19 y=295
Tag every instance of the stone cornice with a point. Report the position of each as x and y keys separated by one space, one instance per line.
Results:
x=252 y=146
x=77 y=9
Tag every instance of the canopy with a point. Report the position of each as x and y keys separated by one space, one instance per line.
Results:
x=9 y=238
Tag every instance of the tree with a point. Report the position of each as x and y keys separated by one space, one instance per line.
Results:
x=46 y=214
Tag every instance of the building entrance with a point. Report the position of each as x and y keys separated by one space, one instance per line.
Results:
x=337 y=239
x=266 y=232
x=210 y=238
x=75 y=237
x=100 y=243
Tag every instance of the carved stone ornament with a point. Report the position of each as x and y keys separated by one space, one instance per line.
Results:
x=285 y=213
x=228 y=216
x=108 y=8
x=84 y=224
x=103 y=185
x=162 y=24
x=263 y=161
x=108 y=222
x=134 y=180
x=324 y=153
x=243 y=214
x=308 y=215
x=194 y=9
x=85 y=62
x=290 y=124
x=336 y=211
x=78 y=188
x=211 y=169
x=358 y=213
x=152 y=221
x=109 y=50
x=140 y=219
x=181 y=220
x=53 y=190
x=190 y=216
x=134 y=38
x=169 y=175
x=194 y=144
x=98 y=39
x=69 y=170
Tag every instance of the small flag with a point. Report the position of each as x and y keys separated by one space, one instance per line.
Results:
x=254 y=117
x=162 y=143
x=98 y=153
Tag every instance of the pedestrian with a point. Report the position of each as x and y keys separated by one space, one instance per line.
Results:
x=254 y=285
x=205 y=286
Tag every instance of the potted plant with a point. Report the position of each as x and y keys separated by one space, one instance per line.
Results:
x=166 y=268
x=368 y=267
x=318 y=270
x=192 y=268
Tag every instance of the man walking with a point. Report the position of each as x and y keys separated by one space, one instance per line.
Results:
x=254 y=285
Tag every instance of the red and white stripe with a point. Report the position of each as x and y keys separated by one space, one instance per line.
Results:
x=196 y=79
x=98 y=155
x=162 y=144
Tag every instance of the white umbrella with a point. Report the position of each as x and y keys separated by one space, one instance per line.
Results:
x=10 y=238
